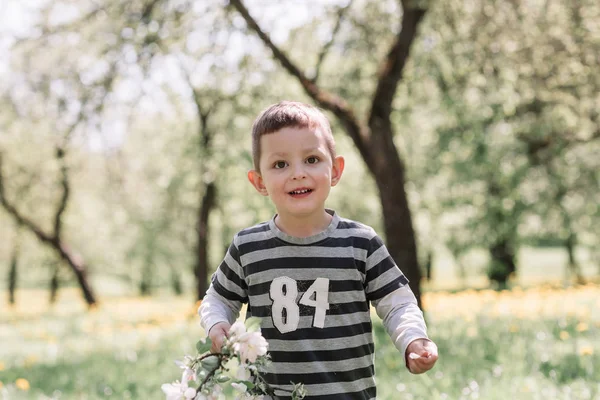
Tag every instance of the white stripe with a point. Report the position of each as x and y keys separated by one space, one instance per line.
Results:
x=305 y=274
x=331 y=321
x=323 y=389
x=323 y=366
x=319 y=345
x=302 y=252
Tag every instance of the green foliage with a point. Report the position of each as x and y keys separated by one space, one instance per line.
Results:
x=203 y=345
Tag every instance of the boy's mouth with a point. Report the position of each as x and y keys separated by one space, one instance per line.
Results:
x=300 y=192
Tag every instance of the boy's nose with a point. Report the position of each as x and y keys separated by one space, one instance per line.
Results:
x=298 y=172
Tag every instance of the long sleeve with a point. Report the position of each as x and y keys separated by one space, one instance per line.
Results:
x=402 y=318
x=227 y=292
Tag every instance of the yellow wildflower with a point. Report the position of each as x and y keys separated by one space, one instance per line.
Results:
x=2 y=366
x=586 y=351
x=564 y=335
x=22 y=384
x=514 y=328
x=582 y=327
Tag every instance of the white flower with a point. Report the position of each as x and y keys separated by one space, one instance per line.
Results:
x=188 y=375
x=216 y=392
x=240 y=387
x=178 y=391
x=243 y=373
x=250 y=345
x=237 y=329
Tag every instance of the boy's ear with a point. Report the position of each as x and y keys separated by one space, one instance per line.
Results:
x=337 y=170
x=257 y=181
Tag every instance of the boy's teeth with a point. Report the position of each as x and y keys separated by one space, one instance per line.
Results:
x=300 y=191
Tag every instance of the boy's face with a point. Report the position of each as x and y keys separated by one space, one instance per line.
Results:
x=296 y=171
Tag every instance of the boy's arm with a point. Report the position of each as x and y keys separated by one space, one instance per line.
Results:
x=387 y=289
x=402 y=318
x=227 y=292
x=214 y=308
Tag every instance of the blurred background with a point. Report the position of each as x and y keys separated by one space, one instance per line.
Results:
x=471 y=132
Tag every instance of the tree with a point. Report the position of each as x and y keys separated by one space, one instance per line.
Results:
x=374 y=135
x=515 y=101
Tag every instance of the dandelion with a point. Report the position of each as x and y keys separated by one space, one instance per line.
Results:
x=586 y=351
x=582 y=327
x=2 y=366
x=22 y=384
x=564 y=335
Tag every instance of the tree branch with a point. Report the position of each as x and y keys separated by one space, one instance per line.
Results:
x=21 y=220
x=338 y=24
x=393 y=66
x=323 y=98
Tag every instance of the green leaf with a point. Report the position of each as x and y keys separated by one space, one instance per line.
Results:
x=204 y=346
x=252 y=324
x=222 y=378
x=248 y=384
x=210 y=363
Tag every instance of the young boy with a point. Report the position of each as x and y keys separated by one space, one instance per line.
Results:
x=309 y=274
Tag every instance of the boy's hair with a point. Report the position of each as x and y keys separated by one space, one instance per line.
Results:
x=287 y=114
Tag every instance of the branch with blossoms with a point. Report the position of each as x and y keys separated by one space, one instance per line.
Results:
x=239 y=364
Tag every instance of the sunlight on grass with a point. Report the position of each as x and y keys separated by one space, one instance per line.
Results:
x=536 y=343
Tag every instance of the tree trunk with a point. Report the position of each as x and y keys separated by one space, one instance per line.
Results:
x=54 y=284
x=12 y=273
x=201 y=269
x=79 y=269
x=573 y=266
x=398 y=228
x=502 y=263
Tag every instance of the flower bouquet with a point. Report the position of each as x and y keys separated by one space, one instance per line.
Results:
x=238 y=365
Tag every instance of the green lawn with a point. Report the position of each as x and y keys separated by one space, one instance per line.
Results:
x=539 y=343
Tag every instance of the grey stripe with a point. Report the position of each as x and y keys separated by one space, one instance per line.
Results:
x=333 y=298
x=353 y=232
x=323 y=366
x=305 y=274
x=323 y=389
x=331 y=321
x=302 y=252
x=383 y=279
x=254 y=237
x=234 y=265
x=325 y=344
x=229 y=285
x=378 y=256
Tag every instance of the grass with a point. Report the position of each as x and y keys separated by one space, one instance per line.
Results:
x=538 y=343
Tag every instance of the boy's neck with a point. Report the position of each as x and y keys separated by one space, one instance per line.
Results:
x=304 y=226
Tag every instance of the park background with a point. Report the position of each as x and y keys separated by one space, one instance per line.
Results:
x=471 y=131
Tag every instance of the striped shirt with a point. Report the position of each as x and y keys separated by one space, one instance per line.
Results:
x=313 y=296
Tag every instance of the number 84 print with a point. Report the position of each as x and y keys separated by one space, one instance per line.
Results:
x=283 y=293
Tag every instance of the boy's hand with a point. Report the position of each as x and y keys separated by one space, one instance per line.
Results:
x=421 y=355
x=217 y=334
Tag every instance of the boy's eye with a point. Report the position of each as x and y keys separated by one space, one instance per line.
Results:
x=280 y=164
x=312 y=160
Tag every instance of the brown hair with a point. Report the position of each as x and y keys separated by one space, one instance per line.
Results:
x=287 y=114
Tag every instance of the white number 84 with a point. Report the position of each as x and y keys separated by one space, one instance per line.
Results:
x=284 y=291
